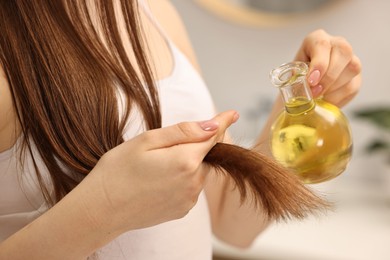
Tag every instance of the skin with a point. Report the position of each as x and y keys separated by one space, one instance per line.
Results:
x=170 y=160
x=9 y=130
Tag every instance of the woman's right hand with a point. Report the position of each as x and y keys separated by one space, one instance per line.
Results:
x=152 y=178
x=158 y=175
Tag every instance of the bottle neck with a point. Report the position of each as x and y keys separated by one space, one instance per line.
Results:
x=297 y=96
x=290 y=78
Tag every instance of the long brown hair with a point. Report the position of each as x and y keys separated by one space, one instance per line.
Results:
x=64 y=73
x=63 y=76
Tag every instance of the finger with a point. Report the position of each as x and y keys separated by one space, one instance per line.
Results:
x=308 y=47
x=344 y=94
x=316 y=49
x=341 y=56
x=225 y=120
x=185 y=132
x=350 y=71
x=191 y=153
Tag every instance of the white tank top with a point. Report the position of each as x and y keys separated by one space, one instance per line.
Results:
x=184 y=97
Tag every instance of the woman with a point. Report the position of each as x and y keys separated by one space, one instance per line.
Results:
x=82 y=173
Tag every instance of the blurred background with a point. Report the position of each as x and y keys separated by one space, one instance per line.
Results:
x=237 y=43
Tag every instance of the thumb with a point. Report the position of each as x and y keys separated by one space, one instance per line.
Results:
x=187 y=132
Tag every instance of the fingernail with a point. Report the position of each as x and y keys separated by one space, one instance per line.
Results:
x=235 y=117
x=209 y=125
x=314 y=78
x=316 y=90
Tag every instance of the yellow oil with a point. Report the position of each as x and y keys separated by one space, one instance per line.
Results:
x=313 y=138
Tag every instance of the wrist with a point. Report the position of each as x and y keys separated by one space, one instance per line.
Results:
x=74 y=228
x=98 y=212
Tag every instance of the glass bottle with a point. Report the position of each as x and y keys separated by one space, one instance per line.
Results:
x=310 y=136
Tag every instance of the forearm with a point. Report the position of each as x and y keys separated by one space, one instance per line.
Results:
x=235 y=222
x=73 y=229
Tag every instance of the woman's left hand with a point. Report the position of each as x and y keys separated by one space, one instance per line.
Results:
x=335 y=71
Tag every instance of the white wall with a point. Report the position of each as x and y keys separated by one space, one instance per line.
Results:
x=236 y=61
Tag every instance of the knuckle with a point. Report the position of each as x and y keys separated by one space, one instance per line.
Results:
x=146 y=137
x=185 y=129
x=323 y=43
x=107 y=157
x=330 y=77
x=355 y=65
x=188 y=164
x=317 y=33
x=349 y=89
x=343 y=46
x=320 y=32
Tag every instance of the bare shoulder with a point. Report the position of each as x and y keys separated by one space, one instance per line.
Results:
x=169 y=18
